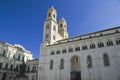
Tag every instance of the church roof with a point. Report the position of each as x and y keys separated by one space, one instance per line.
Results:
x=90 y=35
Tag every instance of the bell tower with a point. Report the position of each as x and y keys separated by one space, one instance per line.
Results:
x=52 y=14
x=63 y=28
x=50 y=26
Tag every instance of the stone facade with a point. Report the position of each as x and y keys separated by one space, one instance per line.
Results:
x=11 y=57
x=93 y=56
x=32 y=69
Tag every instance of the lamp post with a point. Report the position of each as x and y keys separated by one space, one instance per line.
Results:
x=60 y=71
x=89 y=66
x=41 y=75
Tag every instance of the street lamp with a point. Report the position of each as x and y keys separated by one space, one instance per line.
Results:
x=60 y=70
x=41 y=75
x=89 y=66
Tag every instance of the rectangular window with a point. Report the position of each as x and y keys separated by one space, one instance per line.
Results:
x=54 y=28
x=77 y=49
x=84 y=47
x=52 y=52
x=109 y=43
x=100 y=45
x=92 y=46
x=58 y=52
x=0 y=65
x=64 y=51
x=6 y=66
x=54 y=37
x=46 y=36
x=47 y=27
x=117 y=42
x=51 y=65
x=70 y=50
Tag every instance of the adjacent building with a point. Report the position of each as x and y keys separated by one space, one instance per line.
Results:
x=93 y=56
x=11 y=57
x=32 y=69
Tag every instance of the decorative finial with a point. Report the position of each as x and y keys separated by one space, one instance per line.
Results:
x=52 y=6
x=63 y=18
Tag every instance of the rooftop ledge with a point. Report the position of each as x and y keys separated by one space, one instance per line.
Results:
x=89 y=35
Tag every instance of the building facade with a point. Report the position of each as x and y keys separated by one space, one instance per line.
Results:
x=11 y=57
x=93 y=56
x=32 y=69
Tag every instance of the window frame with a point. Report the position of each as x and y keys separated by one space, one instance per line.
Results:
x=70 y=50
x=51 y=64
x=77 y=48
x=106 y=60
x=64 y=51
x=62 y=64
x=89 y=61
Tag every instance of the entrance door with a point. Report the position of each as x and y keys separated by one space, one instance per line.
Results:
x=4 y=76
x=75 y=75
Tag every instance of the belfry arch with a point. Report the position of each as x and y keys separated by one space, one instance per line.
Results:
x=75 y=72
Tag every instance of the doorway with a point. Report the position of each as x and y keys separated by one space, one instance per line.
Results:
x=75 y=73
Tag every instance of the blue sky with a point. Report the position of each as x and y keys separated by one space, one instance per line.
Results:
x=21 y=21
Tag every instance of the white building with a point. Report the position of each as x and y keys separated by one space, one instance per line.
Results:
x=93 y=56
x=11 y=57
x=32 y=69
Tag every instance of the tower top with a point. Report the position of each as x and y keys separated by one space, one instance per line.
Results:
x=63 y=20
x=52 y=9
x=52 y=14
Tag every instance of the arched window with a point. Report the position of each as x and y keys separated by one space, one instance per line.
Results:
x=51 y=65
x=0 y=65
x=13 y=56
x=18 y=57
x=23 y=58
x=75 y=63
x=11 y=67
x=62 y=64
x=89 y=61
x=3 y=53
x=54 y=15
x=49 y=15
x=28 y=69
x=6 y=66
x=16 y=68
x=106 y=60
x=61 y=25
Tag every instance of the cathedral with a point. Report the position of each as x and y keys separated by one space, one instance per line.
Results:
x=93 y=56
